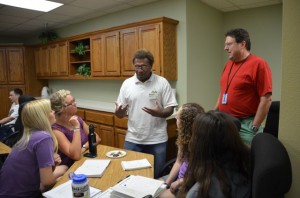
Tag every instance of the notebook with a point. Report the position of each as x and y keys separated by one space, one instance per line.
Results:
x=93 y=167
x=135 y=164
x=136 y=186
x=65 y=191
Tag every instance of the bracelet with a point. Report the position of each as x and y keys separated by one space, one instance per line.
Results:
x=76 y=129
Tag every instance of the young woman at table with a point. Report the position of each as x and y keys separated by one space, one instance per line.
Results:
x=70 y=130
x=184 y=119
x=29 y=166
x=219 y=165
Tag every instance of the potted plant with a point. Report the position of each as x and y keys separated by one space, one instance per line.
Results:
x=79 y=49
x=84 y=70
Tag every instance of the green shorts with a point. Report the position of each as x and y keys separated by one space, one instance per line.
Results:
x=246 y=132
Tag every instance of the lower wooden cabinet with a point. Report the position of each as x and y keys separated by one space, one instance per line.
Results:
x=112 y=130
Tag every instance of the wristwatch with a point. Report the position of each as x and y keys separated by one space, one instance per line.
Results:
x=254 y=128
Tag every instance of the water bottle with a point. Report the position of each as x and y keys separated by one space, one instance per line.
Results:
x=92 y=141
x=80 y=186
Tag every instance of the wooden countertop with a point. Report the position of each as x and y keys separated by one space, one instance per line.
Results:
x=114 y=172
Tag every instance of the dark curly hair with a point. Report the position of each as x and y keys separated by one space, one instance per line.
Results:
x=185 y=116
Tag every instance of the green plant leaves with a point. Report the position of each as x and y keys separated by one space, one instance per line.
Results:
x=84 y=70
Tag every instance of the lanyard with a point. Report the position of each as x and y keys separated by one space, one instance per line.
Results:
x=229 y=81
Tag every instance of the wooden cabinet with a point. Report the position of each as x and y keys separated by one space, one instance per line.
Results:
x=17 y=71
x=12 y=65
x=52 y=60
x=105 y=54
x=120 y=131
x=108 y=53
x=103 y=123
x=58 y=59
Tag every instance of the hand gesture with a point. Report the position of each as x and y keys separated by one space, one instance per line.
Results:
x=74 y=121
x=57 y=159
x=121 y=110
x=157 y=111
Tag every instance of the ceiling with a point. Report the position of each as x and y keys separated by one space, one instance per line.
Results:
x=22 y=23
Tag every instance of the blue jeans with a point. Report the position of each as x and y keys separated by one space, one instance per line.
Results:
x=158 y=150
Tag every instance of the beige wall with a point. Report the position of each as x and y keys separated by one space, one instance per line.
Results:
x=265 y=28
x=289 y=124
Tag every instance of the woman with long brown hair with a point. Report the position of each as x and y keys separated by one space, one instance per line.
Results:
x=219 y=161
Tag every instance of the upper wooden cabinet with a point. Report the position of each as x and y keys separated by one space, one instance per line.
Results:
x=12 y=66
x=105 y=55
x=52 y=60
x=109 y=52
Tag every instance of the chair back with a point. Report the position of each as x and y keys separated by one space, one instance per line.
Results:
x=272 y=121
x=271 y=167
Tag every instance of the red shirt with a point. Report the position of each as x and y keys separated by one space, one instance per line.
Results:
x=247 y=82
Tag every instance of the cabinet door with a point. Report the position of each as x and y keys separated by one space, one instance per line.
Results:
x=63 y=61
x=106 y=133
x=149 y=38
x=111 y=54
x=44 y=60
x=53 y=60
x=38 y=61
x=3 y=68
x=15 y=65
x=97 y=61
x=4 y=101
x=120 y=137
x=128 y=46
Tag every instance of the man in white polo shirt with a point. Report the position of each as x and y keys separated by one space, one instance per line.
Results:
x=148 y=100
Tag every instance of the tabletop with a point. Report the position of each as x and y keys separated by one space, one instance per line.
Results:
x=4 y=148
x=114 y=172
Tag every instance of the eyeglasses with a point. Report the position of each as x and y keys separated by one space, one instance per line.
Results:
x=229 y=44
x=143 y=67
x=72 y=102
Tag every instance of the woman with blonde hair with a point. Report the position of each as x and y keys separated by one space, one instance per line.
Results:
x=31 y=162
x=70 y=130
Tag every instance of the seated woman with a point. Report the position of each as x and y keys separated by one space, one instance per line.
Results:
x=30 y=164
x=184 y=120
x=70 y=130
x=219 y=165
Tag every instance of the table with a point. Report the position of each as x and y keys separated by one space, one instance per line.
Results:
x=114 y=172
x=4 y=148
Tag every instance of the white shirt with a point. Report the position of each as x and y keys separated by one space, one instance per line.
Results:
x=144 y=128
x=13 y=112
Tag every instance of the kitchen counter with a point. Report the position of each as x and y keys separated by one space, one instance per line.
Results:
x=96 y=105
x=101 y=106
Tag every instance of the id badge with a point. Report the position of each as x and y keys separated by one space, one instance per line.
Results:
x=224 y=98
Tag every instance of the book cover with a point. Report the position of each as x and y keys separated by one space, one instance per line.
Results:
x=93 y=167
x=135 y=164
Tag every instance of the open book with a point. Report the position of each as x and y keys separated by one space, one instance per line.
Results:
x=93 y=167
x=65 y=191
x=136 y=187
x=135 y=164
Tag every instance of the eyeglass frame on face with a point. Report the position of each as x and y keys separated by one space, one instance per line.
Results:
x=227 y=45
x=142 y=67
x=72 y=102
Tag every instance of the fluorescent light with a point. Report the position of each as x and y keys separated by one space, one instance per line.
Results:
x=39 y=5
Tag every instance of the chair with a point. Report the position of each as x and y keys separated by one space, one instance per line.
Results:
x=271 y=167
x=272 y=121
